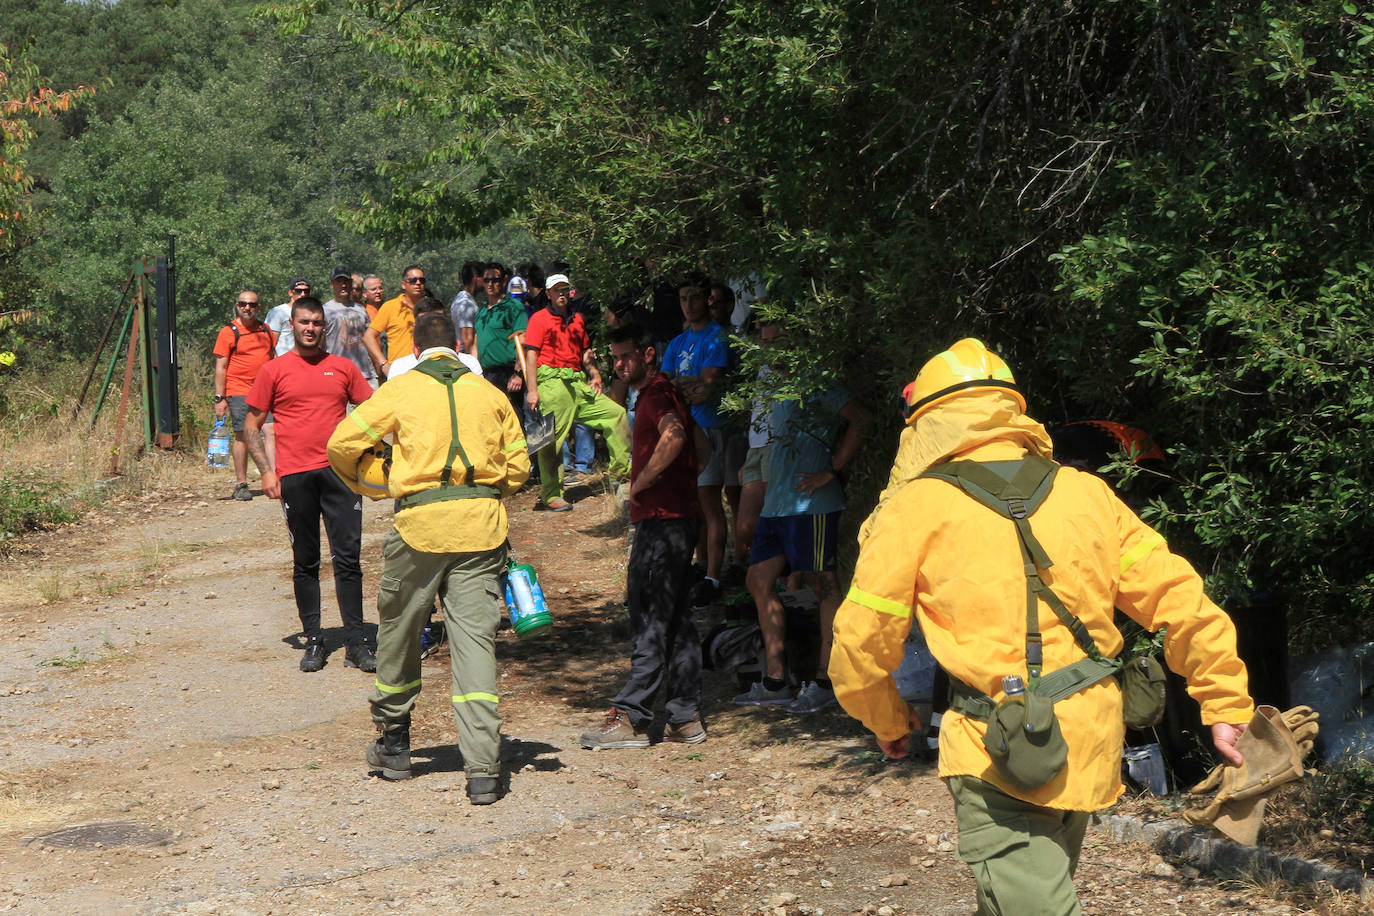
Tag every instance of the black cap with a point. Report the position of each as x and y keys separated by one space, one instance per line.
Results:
x=338 y=272
x=298 y=281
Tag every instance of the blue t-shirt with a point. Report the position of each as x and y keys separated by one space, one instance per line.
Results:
x=688 y=354
x=803 y=437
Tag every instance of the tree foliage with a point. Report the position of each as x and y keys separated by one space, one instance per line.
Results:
x=1155 y=211
x=215 y=129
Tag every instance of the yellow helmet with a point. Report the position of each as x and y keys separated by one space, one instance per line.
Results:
x=966 y=364
x=374 y=468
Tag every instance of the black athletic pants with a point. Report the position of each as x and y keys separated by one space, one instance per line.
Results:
x=666 y=645
x=306 y=498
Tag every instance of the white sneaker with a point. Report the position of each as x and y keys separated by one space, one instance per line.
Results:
x=759 y=695
x=811 y=698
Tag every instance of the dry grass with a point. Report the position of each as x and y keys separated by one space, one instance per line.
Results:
x=25 y=806
x=1317 y=901
x=38 y=431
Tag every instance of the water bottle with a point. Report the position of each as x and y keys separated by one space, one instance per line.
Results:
x=1013 y=686
x=217 y=452
x=529 y=612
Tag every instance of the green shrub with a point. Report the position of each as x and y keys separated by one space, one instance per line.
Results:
x=30 y=502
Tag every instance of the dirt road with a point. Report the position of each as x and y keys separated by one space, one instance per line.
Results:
x=161 y=753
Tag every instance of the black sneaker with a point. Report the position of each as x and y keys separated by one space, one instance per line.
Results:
x=313 y=660
x=733 y=577
x=704 y=593
x=360 y=657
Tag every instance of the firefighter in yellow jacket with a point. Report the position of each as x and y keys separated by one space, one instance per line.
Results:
x=933 y=553
x=458 y=448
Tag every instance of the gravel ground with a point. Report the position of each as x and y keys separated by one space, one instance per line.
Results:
x=149 y=692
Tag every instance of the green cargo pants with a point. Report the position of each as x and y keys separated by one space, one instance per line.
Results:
x=1023 y=856
x=566 y=394
x=472 y=609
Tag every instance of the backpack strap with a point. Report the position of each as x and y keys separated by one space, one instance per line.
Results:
x=1015 y=490
x=447 y=372
x=263 y=328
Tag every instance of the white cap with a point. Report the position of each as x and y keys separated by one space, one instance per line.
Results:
x=556 y=279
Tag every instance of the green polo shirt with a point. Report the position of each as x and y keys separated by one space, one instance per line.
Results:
x=493 y=327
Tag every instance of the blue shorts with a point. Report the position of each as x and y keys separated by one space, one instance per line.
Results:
x=807 y=541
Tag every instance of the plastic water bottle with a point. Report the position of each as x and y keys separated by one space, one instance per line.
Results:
x=217 y=452
x=529 y=612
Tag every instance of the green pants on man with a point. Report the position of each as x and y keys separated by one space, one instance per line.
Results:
x=1023 y=856
x=472 y=610
x=566 y=394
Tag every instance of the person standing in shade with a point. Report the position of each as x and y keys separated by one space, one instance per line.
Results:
x=799 y=530
x=458 y=448
x=241 y=350
x=695 y=360
x=345 y=324
x=561 y=374
x=395 y=319
x=665 y=510
x=309 y=391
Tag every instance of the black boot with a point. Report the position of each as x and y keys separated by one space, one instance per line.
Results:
x=482 y=790
x=390 y=753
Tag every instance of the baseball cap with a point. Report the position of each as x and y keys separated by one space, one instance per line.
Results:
x=556 y=279
x=338 y=272
x=517 y=286
x=298 y=281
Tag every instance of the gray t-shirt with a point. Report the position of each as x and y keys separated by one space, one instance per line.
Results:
x=279 y=320
x=344 y=326
x=463 y=311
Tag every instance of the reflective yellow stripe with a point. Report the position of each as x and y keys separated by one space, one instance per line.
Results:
x=882 y=605
x=513 y=446
x=372 y=433
x=387 y=688
x=1141 y=548
x=489 y=697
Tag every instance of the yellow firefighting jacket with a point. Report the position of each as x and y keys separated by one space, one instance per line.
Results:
x=415 y=408
x=935 y=553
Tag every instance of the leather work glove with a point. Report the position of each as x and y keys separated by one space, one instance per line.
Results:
x=1274 y=747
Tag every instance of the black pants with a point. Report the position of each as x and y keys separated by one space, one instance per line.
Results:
x=500 y=377
x=666 y=645
x=306 y=498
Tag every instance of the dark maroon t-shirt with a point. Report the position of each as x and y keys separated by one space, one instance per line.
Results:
x=674 y=494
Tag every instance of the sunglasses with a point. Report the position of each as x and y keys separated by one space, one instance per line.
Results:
x=413 y=280
x=491 y=279
x=251 y=305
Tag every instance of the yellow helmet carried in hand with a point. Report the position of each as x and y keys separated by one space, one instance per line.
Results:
x=374 y=467
x=966 y=364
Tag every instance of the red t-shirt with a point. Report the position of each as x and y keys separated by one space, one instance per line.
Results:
x=308 y=399
x=674 y=494
x=561 y=341
x=254 y=348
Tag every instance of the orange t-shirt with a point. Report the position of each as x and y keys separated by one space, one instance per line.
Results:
x=254 y=348
x=396 y=320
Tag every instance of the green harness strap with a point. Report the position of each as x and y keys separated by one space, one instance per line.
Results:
x=447 y=372
x=1014 y=490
